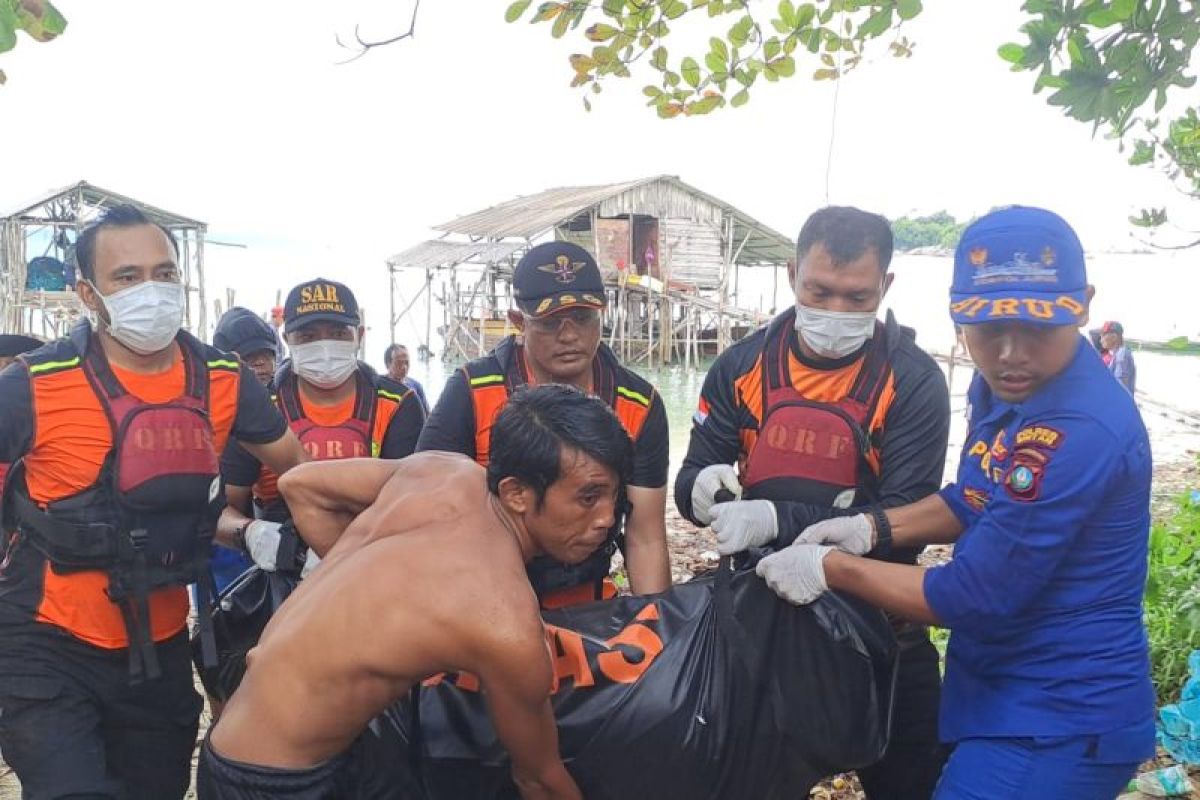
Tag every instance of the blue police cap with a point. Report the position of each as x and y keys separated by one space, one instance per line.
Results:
x=1019 y=263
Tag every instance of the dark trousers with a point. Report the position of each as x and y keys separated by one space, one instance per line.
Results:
x=913 y=762
x=72 y=725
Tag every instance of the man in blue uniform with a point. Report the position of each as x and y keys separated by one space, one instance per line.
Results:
x=1047 y=689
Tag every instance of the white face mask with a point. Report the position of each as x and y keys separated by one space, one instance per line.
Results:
x=834 y=334
x=146 y=317
x=326 y=363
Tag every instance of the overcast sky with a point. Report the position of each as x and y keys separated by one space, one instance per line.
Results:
x=236 y=113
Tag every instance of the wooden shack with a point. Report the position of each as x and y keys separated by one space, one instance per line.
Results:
x=37 y=259
x=670 y=255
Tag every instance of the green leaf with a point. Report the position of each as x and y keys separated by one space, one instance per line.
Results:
x=547 y=11
x=714 y=62
x=787 y=14
x=1012 y=53
x=658 y=59
x=719 y=47
x=804 y=15
x=8 y=32
x=601 y=32
x=705 y=105
x=908 y=8
x=1123 y=9
x=1102 y=18
x=740 y=99
x=785 y=67
x=559 y=29
x=515 y=10
x=876 y=24
x=674 y=9
x=771 y=48
x=690 y=71
x=825 y=74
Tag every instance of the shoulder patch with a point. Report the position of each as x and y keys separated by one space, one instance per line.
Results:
x=1039 y=436
x=1023 y=481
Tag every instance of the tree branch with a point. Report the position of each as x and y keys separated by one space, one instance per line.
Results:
x=364 y=46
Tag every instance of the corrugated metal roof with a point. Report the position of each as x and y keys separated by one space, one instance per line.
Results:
x=526 y=217
x=441 y=253
x=532 y=215
x=94 y=195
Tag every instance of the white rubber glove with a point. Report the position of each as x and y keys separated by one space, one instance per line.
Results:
x=854 y=535
x=796 y=573
x=743 y=524
x=311 y=562
x=262 y=543
x=704 y=490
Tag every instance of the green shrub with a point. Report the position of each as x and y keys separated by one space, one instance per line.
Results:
x=1173 y=597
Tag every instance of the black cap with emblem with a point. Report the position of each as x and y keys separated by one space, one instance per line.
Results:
x=557 y=275
x=319 y=300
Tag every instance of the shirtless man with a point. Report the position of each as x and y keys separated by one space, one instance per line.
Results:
x=424 y=572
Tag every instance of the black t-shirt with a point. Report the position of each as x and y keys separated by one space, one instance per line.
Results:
x=451 y=424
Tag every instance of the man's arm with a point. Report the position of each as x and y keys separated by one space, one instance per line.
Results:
x=16 y=413
x=239 y=470
x=913 y=456
x=280 y=455
x=261 y=429
x=325 y=497
x=927 y=521
x=715 y=426
x=646 y=556
x=451 y=424
x=404 y=428
x=898 y=588
x=517 y=689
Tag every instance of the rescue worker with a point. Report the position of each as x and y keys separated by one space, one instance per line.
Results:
x=559 y=294
x=242 y=331
x=337 y=406
x=353 y=638
x=11 y=346
x=826 y=411
x=253 y=340
x=397 y=361
x=115 y=434
x=1048 y=689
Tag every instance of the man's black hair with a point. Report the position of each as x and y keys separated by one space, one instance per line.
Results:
x=391 y=351
x=846 y=233
x=538 y=423
x=122 y=216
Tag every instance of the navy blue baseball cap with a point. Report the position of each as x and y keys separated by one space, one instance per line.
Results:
x=1019 y=263
x=557 y=275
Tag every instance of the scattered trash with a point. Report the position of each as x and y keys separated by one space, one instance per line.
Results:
x=1179 y=723
x=1166 y=782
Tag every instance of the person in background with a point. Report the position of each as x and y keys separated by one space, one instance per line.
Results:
x=1047 y=690
x=252 y=338
x=828 y=411
x=559 y=294
x=1121 y=365
x=397 y=361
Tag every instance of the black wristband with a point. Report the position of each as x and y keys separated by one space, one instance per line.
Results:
x=239 y=535
x=883 y=531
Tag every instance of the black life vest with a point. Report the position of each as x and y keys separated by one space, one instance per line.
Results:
x=148 y=520
x=810 y=451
